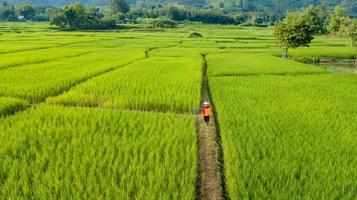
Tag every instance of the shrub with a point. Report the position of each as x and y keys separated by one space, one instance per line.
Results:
x=195 y=34
x=162 y=22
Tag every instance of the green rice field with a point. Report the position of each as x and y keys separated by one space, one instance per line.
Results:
x=112 y=115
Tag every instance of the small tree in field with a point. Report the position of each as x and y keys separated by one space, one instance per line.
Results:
x=336 y=18
x=349 y=29
x=294 y=31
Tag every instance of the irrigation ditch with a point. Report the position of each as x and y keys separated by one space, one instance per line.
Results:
x=335 y=65
x=210 y=178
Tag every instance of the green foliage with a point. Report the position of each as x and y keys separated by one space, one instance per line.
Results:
x=336 y=19
x=350 y=31
x=195 y=34
x=161 y=22
x=27 y=10
x=317 y=17
x=294 y=31
x=76 y=16
x=119 y=6
x=71 y=153
x=7 y=12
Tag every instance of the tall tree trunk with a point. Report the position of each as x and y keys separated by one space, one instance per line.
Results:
x=285 y=54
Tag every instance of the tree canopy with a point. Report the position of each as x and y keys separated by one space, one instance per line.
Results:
x=272 y=6
x=294 y=31
x=76 y=16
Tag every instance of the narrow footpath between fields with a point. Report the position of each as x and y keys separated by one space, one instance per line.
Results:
x=210 y=182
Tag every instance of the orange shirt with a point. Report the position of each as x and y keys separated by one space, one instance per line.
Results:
x=207 y=111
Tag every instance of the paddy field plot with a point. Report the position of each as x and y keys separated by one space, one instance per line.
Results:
x=36 y=82
x=111 y=115
x=288 y=137
x=232 y=64
x=154 y=84
x=54 y=152
x=11 y=105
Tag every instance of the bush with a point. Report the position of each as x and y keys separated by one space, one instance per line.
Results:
x=161 y=22
x=41 y=18
x=77 y=16
x=195 y=34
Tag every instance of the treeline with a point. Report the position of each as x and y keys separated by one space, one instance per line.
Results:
x=278 y=7
x=204 y=15
x=78 y=16
x=299 y=28
x=24 y=11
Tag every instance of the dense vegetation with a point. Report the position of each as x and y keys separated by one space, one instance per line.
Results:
x=112 y=114
x=123 y=88
x=288 y=136
x=249 y=13
x=272 y=6
x=11 y=105
x=95 y=154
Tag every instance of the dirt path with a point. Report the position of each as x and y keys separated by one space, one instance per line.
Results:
x=209 y=178
x=209 y=181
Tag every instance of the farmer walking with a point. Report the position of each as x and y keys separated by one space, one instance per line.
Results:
x=206 y=111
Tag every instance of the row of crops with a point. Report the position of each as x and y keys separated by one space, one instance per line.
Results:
x=76 y=153
x=94 y=116
x=110 y=115
x=288 y=131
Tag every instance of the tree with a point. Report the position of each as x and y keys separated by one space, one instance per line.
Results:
x=76 y=16
x=336 y=18
x=352 y=32
x=221 y=5
x=119 y=6
x=349 y=29
x=317 y=17
x=294 y=31
x=177 y=14
x=27 y=10
x=59 y=19
x=7 y=12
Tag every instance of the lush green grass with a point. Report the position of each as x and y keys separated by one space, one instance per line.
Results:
x=62 y=153
x=230 y=64
x=11 y=105
x=155 y=84
x=284 y=137
x=288 y=137
x=36 y=82
x=325 y=51
x=38 y=56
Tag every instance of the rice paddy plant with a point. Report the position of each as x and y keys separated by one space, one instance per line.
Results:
x=181 y=51
x=325 y=51
x=22 y=46
x=229 y=64
x=38 y=56
x=288 y=137
x=155 y=84
x=36 y=82
x=71 y=153
x=11 y=105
